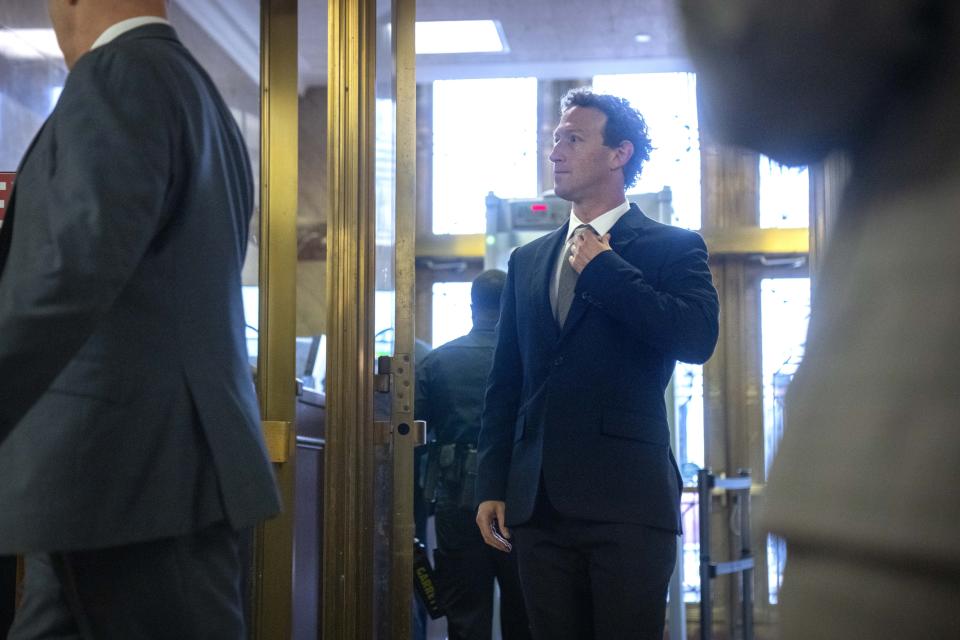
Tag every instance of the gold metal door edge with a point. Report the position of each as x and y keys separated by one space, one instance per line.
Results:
x=272 y=579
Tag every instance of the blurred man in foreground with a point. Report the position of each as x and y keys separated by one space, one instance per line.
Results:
x=865 y=488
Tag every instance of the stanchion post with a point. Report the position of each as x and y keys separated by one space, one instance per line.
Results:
x=704 y=484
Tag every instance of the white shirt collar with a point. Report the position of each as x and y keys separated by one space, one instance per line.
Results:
x=601 y=224
x=123 y=26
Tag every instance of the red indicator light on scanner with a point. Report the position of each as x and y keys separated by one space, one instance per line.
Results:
x=538 y=208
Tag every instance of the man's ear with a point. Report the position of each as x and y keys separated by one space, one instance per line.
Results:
x=621 y=155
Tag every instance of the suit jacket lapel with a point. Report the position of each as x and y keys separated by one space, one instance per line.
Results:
x=624 y=232
x=627 y=229
x=541 y=281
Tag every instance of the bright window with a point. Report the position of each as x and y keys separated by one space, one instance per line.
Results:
x=784 y=195
x=668 y=103
x=484 y=139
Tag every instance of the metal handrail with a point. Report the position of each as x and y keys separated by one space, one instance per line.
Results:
x=741 y=487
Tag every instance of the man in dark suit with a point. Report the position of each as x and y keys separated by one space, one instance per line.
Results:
x=575 y=454
x=131 y=457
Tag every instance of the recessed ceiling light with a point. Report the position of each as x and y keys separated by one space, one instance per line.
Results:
x=643 y=38
x=25 y=44
x=460 y=36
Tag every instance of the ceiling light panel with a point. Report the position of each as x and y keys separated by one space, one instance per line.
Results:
x=460 y=36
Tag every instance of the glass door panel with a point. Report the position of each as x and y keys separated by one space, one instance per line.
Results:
x=311 y=318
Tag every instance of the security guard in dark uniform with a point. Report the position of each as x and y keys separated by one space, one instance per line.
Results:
x=450 y=387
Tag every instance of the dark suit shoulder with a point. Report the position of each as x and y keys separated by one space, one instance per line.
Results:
x=673 y=232
x=130 y=69
x=150 y=56
x=677 y=233
x=667 y=238
x=639 y=221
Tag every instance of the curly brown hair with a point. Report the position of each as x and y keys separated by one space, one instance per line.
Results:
x=623 y=123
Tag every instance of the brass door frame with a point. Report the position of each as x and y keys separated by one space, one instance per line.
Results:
x=404 y=432
x=348 y=478
x=348 y=539
x=272 y=581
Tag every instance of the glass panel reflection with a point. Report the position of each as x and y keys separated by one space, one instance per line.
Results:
x=312 y=194
x=311 y=343
x=785 y=314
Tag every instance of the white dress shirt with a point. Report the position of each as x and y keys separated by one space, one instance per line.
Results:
x=123 y=26
x=601 y=224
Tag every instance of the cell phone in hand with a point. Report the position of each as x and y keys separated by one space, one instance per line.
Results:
x=495 y=530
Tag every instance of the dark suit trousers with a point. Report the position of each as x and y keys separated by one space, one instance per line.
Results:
x=466 y=569
x=185 y=587
x=8 y=576
x=583 y=579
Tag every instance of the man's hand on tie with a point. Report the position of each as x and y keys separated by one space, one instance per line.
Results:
x=584 y=247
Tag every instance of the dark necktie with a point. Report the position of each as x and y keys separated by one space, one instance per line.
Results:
x=568 y=277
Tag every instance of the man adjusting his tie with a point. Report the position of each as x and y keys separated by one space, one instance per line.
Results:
x=575 y=466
